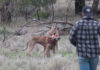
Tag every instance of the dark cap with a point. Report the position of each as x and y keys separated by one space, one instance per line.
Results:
x=87 y=10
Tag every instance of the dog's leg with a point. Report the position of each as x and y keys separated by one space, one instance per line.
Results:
x=44 y=51
x=30 y=47
x=47 y=51
x=54 y=47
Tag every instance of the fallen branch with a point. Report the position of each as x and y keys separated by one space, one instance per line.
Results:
x=62 y=22
x=18 y=31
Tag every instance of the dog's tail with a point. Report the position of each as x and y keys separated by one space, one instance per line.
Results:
x=25 y=47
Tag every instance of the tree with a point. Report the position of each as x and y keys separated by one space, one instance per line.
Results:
x=52 y=11
x=95 y=6
x=23 y=5
x=79 y=5
x=42 y=3
x=37 y=4
x=5 y=17
x=5 y=12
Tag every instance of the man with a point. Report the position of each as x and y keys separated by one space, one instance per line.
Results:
x=84 y=36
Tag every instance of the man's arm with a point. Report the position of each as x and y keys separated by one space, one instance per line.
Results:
x=72 y=35
x=99 y=28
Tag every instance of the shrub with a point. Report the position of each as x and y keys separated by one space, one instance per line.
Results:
x=42 y=14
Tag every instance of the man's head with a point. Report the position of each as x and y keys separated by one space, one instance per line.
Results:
x=87 y=11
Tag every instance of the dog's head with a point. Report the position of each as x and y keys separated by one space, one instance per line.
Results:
x=55 y=32
x=54 y=27
x=54 y=36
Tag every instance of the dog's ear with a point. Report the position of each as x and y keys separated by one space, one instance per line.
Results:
x=54 y=26
x=57 y=28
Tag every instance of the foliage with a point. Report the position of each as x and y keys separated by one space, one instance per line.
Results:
x=39 y=3
x=1 y=1
x=42 y=14
x=25 y=2
x=3 y=29
x=65 y=53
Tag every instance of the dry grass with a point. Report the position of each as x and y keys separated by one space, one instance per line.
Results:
x=11 y=60
x=15 y=59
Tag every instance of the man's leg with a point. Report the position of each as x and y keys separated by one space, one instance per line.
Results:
x=83 y=63
x=94 y=63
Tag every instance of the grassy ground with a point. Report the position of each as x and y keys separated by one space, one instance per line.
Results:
x=13 y=58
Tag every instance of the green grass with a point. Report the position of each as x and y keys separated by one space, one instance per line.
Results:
x=35 y=54
x=14 y=54
x=66 y=53
x=17 y=53
x=3 y=28
x=13 y=58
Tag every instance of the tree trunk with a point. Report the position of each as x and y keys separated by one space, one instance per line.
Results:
x=79 y=5
x=4 y=31
x=52 y=11
x=5 y=13
x=95 y=6
x=38 y=16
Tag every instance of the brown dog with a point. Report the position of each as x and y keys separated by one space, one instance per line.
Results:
x=53 y=33
x=48 y=45
x=49 y=42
